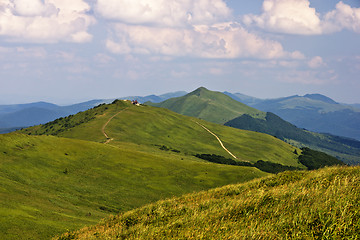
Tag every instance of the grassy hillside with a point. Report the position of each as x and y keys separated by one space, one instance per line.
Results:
x=345 y=149
x=151 y=128
x=321 y=204
x=208 y=105
x=113 y=158
x=50 y=184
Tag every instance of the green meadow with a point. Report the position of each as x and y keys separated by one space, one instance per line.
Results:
x=50 y=184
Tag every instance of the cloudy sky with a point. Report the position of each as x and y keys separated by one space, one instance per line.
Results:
x=67 y=51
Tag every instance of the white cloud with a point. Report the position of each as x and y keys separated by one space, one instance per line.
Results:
x=172 y=13
x=45 y=21
x=289 y=16
x=316 y=62
x=297 y=17
x=342 y=17
x=183 y=28
x=226 y=40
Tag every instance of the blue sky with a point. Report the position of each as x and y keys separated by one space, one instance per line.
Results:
x=67 y=51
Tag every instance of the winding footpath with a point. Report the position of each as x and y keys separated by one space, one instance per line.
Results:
x=110 y=139
x=105 y=125
x=222 y=145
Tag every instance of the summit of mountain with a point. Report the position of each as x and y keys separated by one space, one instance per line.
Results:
x=209 y=105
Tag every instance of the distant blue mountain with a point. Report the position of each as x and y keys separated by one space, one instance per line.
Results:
x=17 y=107
x=17 y=116
x=314 y=112
x=155 y=98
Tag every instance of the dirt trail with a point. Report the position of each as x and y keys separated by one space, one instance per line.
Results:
x=103 y=128
x=222 y=145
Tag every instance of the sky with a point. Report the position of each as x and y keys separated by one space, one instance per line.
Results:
x=69 y=51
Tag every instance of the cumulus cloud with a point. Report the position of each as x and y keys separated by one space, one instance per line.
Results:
x=343 y=17
x=226 y=40
x=316 y=62
x=297 y=17
x=172 y=13
x=183 y=28
x=45 y=21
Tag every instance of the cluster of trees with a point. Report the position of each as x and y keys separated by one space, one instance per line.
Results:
x=310 y=158
x=314 y=159
x=265 y=166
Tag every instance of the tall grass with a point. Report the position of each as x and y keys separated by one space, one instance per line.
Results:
x=322 y=204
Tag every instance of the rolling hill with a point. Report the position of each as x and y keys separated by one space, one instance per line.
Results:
x=321 y=204
x=155 y=127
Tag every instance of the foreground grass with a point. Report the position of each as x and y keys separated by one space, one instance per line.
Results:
x=50 y=184
x=322 y=204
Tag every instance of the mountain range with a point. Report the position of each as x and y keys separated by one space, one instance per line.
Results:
x=314 y=112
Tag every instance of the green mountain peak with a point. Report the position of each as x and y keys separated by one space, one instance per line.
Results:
x=209 y=105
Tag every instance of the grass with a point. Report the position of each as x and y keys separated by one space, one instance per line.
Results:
x=50 y=184
x=322 y=204
x=150 y=127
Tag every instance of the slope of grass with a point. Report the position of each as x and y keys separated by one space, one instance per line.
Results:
x=322 y=204
x=152 y=127
x=208 y=105
x=50 y=184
